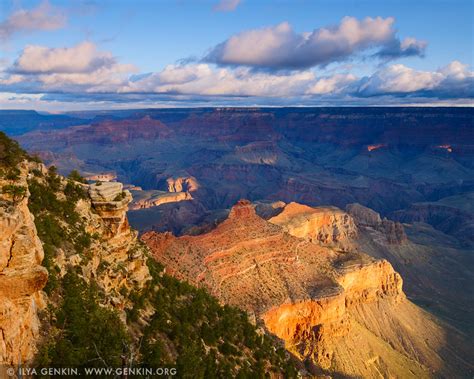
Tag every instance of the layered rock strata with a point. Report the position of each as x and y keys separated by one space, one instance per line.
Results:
x=117 y=261
x=326 y=225
x=321 y=301
x=149 y=199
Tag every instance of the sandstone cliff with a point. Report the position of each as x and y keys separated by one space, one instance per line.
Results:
x=322 y=302
x=118 y=261
x=326 y=225
x=114 y=258
x=21 y=275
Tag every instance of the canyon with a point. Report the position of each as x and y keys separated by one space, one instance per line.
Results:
x=321 y=300
x=342 y=204
x=78 y=289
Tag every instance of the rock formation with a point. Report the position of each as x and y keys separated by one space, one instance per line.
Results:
x=326 y=225
x=21 y=277
x=148 y=199
x=182 y=184
x=449 y=219
x=125 y=264
x=320 y=301
x=393 y=231
x=116 y=259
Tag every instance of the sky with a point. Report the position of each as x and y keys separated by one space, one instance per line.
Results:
x=84 y=54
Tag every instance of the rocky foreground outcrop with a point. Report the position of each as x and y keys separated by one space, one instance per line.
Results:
x=114 y=259
x=340 y=312
x=21 y=276
x=118 y=262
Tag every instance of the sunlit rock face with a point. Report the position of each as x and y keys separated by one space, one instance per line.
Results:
x=320 y=300
x=110 y=201
x=182 y=184
x=326 y=225
x=149 y=199
x=106 y=215
x=21 y=278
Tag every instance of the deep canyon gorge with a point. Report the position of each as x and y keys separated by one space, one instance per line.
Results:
x=343 y=234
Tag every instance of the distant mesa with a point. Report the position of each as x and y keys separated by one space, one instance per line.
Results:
x=132 y=187
x=178 y=189
x=392 y=231
x=153 y=198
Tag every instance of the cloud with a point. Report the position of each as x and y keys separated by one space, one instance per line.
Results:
x=279 y=47
x=79 y=68
x=406 y=48
x=331 y=84
x=43 y=17
x=85 y=73
x=82 y=58
x=451 y=81
x=226 y=5
x=205 y=80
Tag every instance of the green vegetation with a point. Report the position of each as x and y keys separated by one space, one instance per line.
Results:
x=120 y=196
x=77 y=177
x=83 y=333
x=16 y=192
x=10 y=152
x=57 y=222
x=74 y=192
x=209 y=340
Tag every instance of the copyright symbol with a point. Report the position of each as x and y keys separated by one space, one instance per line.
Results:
x=10 y=371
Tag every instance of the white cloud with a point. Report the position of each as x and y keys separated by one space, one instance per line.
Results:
x=82 y=67
x=203 y=79
x=456 y=70
x=453 y=80
x=43 y=17
x=279 y=47
x=332 y=84
x=400 y=79
x=83 y=73
x=226 y=5
x=82 y=58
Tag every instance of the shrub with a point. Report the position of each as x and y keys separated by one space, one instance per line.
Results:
x=74 y=192
x=16 y=192
x=77 y=177
x=88 y=335
x=120 y=196
x=12 y=173
x=10 y=152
